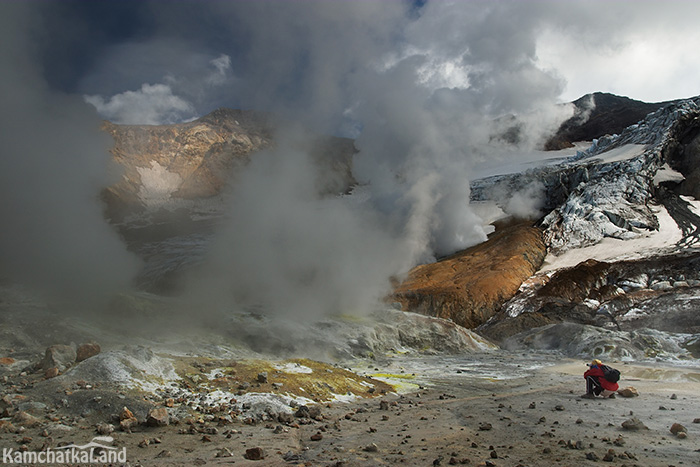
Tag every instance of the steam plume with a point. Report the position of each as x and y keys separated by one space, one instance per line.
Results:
x=53 y=165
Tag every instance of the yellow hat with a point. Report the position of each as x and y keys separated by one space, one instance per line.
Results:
x=596 y=362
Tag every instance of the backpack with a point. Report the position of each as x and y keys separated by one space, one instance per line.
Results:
x=611 y=374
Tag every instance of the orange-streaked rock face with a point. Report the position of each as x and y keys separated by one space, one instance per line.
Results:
x=470 y=286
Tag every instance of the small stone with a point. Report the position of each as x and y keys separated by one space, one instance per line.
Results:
x=674 y=397
x=165 y=453
x=485 y=426
x=609 y=456
x=158 y=417
x=559 y=408
x=59 y=356
x=224 y=452
x=678 y=428
x=255 y=454
x=697 y=420
x=144 y=443
x=494 y=455
x=383 y=405
x=170 y=402
x=682 y=435
x=316 y=437
x=628 y=392
x=262 y=377
x=25 y=419
x=302 y=412
x=126 y=414
x=532 y=405
x=86 y=351
x=128 y=423
x=105 y=429
x=634 y=424
x=371 y=448
x=592 y=456
x=51 y=372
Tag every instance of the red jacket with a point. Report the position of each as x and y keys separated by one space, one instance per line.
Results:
x=597 y=371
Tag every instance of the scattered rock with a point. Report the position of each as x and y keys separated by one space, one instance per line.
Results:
x=302 y=412
x=59 y=356
x=165 y=453
x=485 y=426
x=592 y=456
x=25 y=419
x=86 y=351
x=158 y=417
x=128 y=423
x=255 y=454
x=51 y=372
x=634 y=424
x=371 y=448
x=262 y=377
x=678 y=428
x=126 y=414
x=628 y=392
x=224 y=452
x=7 y=427
x=610 y=455
x=316 y=437
x=674 y=397
x=104 y=429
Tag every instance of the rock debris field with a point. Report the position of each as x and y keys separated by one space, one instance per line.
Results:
x=532 y=417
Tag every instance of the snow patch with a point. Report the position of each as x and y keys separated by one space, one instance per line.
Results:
x=622 y=153
x=613 y=249
x=293 y=368
x=157 y=185
x=667 y=174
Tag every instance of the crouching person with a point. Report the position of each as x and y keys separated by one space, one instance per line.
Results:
x=596 y=382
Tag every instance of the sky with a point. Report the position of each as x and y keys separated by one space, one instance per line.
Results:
x=424 y=88
x=149 y=61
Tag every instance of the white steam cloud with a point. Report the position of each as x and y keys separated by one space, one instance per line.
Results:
x=366 y=66
x=158 y=104
x=54 y=163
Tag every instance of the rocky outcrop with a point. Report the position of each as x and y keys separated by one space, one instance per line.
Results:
x=597 y=115
x=657 y=292
x=615 y=197
x=581 y=341
x=470 y=286
x=165 y=163
x=170 y=166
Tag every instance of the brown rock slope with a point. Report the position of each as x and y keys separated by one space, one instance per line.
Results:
x=199 y=154
x=195 y=160
x=469 y=287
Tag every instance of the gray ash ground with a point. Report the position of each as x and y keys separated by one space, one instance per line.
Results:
x=495 y=408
